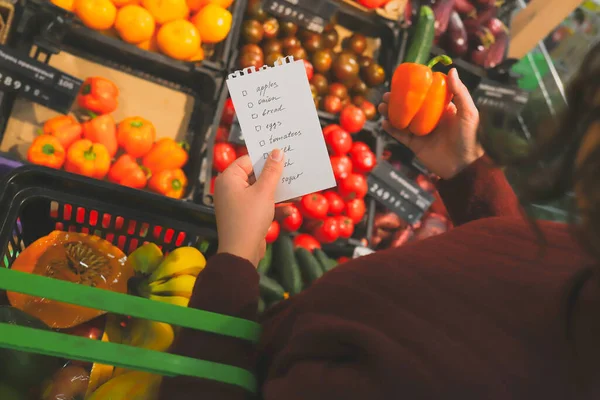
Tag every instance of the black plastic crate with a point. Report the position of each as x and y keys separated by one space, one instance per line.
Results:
x=37 y=200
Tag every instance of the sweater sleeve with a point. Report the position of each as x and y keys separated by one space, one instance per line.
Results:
x=479 y=191
x=228 y=285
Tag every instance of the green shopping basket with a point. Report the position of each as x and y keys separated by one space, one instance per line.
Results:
x=36 y=200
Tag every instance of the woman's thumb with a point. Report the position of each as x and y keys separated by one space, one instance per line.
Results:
x=465 y=106
x=271 y=173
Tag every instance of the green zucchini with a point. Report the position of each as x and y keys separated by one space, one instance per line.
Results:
x=270 y=290
x=419 y=50
x=267 y=261
x=327 y=264
x=309 y=266
x=288 y=271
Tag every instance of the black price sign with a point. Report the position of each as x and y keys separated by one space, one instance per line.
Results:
x=498 y=97
x=37 y=81
x=235 y=133
x=398 y=193
x=314 y=15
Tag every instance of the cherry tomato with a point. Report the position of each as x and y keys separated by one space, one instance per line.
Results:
x=306 y=241
x=273 y=232
x=339 y=142
x=292 y=222
x=355 y=209
x=342 y=167
x=346 y=226
x=314 y=206
x=223 y=156
x=310 y=70
x=353 y=187
x=369 y=109
x=241 y=151
x=359 y=147
x=332 y=104
x=363 y=162
x=352 y=119
x=343 y=259
x=222 y=134
x=228 y=112
x=328 y=231
x=330 y=128
x=336 y=203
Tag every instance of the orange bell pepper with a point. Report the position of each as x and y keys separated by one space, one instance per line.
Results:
x=65 y=128
x=46 y=150
x=170 y=182
x=419 y=96
x=98 y=95
x=102 y=129
x=136 y=136
x=127 y=172
x=166 y=154
x=87 y=158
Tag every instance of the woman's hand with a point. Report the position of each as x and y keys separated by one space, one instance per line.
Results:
x=245 y=210
x=453 y=145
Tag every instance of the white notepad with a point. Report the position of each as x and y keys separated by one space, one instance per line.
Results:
x=275 y=108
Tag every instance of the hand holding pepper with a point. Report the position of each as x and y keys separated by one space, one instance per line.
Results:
x=453 y=145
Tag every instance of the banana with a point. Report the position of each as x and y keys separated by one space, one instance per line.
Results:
x=145 y=259
x=132 y=385
x=181 y=261
x=175 y=300
x=178 y=286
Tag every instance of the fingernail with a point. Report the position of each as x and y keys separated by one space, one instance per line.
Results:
x=277 y=155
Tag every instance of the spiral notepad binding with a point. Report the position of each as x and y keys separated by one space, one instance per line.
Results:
x=249 y=70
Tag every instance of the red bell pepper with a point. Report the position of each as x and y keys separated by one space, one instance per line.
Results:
x=419 y=96
x=127 y=172
x=98 y=95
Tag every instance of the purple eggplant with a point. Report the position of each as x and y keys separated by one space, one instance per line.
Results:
x=464 y=7
x=497 y=51
x=479 y=55
x=496 y=26
x=486 y=13
x=456 y=36
x=442 y=10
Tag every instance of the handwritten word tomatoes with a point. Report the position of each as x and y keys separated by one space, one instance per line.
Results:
x=353 y=187
x=314 y=206
x=223 y=156
x=293 y=221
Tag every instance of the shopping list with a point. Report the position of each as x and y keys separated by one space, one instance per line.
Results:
x=275 y=109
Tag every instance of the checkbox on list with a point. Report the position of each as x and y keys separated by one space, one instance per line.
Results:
x=262 y=143
x=257 y=127
x=266 y=155
x=254 y=116
x=244 y=93
x=250 y=105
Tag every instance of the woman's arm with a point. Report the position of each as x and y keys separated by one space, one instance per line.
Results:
x=228 y=285
x=479 y=191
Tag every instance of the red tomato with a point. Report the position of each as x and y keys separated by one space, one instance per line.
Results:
x=314 y=206
x=328 y=231
x=339 y=142
x=292 y=222
x=306 y=241
x=359 y=147
x=228 y=112
x=223 y=156
x=241 y=151
x=373 y=3
x=343 y=259
x=336 y=203
x=212 y=184
x=363 y=162
x=332 y=104
x=346 y=226
x=342 y=167
x=273 y=232
x=355 y=209
x=222 y=134
x=353 y=187
x=352 y=119
x=330 y=128
x=310 y=71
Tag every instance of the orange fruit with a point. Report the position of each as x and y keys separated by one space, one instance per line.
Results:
x=134 y=24
x=149 y=45
x=65 y=4
x=195 y=5
x=199 y=56
x=122 y=3
x=165 y=11
x=179 y=39
x=96 y=14
x=213 y=23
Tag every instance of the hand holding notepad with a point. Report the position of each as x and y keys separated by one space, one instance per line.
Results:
x=275 y=108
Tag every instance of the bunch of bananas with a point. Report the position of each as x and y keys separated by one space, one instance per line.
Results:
x=170 y=278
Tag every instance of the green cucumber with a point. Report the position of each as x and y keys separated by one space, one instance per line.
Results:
x=270 y=290
x=288 y=271
x=309 y=266
x=419 y=50
x=267 y=261
x=327 y=264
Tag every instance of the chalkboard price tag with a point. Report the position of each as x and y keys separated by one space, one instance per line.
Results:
x=499 y=97
x=235 y=133
x=313 y=15
x=37 y=81
x=398 y=193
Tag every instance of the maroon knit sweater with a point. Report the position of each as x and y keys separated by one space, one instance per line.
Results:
x=481 y=312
